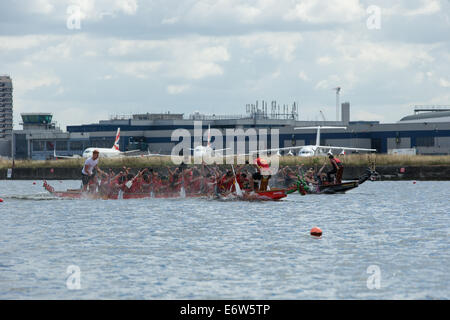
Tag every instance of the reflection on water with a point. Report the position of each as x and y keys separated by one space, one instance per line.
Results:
x=206 y=249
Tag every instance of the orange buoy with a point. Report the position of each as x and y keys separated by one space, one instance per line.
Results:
x=34 y=182
x=414 y=182
x=316 y=231
x=1 y=200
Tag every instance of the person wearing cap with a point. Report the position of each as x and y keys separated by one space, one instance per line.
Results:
x=89 y=169
x=338 y=168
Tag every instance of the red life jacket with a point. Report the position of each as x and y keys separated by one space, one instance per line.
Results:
x=336 y=163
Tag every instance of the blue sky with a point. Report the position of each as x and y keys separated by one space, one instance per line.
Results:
x=135 y=56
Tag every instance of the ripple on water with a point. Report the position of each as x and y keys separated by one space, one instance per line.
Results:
x=204 y=249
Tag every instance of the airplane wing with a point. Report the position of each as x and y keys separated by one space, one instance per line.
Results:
x=68 y=157
x=130 y=151
x=346 y=148
x=215 y=150
x=148 y=155
x=319 y=147
x=65 y=157
x=275 y=149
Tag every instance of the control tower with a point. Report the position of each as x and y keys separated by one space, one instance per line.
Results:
x=37 y=121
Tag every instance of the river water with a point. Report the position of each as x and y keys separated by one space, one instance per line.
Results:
x=383 y=240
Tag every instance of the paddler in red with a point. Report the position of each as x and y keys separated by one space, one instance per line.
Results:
x=265 y=177
x=244 y=182
x=338 y=168
x=210 y=184
x=136 y=186
x=226 y=182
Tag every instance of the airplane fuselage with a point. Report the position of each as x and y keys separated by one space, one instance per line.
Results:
x=103 y=152
x=201 y=151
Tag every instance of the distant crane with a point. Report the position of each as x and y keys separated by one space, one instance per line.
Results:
x=338 y=89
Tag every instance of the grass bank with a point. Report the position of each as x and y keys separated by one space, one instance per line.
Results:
x=349 y=160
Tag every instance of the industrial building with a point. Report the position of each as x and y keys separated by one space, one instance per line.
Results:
x=428 y=131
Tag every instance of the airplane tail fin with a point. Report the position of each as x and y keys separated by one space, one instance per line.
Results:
x=209 y=136
x=318 y=137
x=318 y=131
x=116 y=142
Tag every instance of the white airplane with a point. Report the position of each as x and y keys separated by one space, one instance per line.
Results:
x=113 y=152
x=206 y=151
x=317 y=149
x=199 y=151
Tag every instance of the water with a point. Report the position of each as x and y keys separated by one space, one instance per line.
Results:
x=207 y=249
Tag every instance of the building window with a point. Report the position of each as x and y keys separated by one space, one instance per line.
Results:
x=38 y=145
x=61 y=145
x=425 y=142
x=76 y=145
x=50 y=145
x=104 y=143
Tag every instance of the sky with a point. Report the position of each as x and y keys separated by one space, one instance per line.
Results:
x=85 y=60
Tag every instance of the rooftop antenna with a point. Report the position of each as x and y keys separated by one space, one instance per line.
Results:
x=338 y=89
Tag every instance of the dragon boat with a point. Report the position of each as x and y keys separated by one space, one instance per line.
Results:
x=331 y=188
x=269 y=195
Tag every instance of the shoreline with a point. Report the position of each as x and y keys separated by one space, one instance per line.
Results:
x=387 y=173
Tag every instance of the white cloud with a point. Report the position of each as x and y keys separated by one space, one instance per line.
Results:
x=444 y=83
x=177 y=89
x=233 y=10
x=323 y=61
x=23 y=84
x=127 y=6
x=332 y=81
x=302 y=75
x=279 y=45
x=23 y=42
x=41 y=6
x=428 y=7
x=139 y=69
x=331 y=11
x=171 y=20
x=106 y=77
x=191 y=58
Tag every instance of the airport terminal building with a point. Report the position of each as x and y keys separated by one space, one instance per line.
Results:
x=427 y=131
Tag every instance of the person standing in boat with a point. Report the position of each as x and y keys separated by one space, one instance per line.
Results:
x=89 y=170
x=338 y=168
